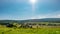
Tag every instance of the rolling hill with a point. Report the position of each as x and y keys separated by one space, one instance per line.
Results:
x=57 y=20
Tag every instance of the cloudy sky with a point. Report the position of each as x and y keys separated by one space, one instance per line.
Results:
x=23 y=9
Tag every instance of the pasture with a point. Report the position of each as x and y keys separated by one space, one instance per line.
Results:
x=43 y=30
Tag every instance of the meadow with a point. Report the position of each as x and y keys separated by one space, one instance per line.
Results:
x=43 y=30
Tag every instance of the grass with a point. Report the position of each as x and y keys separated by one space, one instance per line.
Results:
x=5 y=30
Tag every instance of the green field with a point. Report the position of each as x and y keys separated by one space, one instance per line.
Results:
x=5 y=30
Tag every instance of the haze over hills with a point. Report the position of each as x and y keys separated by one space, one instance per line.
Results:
x=57 y=20
x=46 y=20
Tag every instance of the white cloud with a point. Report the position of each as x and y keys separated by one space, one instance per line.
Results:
x=59 y=15
x=38 y=17
x=55 y=14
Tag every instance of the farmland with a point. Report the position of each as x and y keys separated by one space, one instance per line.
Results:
x=39 y=26
x=43 y=30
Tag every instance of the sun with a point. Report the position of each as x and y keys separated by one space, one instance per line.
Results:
x=33 y=1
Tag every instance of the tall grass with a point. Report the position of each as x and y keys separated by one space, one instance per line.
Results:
x=6 y=30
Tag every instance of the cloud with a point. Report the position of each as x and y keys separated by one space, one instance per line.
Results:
x=55 y=14
x=38 y=17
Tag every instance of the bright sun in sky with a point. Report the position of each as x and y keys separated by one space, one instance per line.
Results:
x=33 y=1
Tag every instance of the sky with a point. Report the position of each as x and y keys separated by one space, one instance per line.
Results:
x=24 y=9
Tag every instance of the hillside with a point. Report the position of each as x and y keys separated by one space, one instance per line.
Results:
x=57 y=20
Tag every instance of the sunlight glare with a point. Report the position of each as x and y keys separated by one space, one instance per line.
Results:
x=32 y=1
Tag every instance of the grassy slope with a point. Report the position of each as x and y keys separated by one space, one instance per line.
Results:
x=5 y=30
